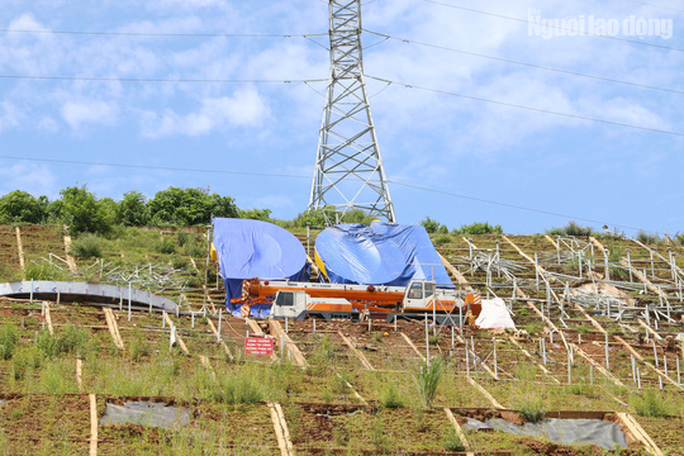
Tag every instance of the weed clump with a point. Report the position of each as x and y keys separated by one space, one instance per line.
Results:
x=651 y=404
x=165 y=246
x=44 y=271
x=478 y=228
x=87 y=246
x=71 y=340
x=427 y=377
x=647 y=238
x=9 y=336
x=390 y=397
x=237 y=390
x=138 y=349
x=442 y=239
x=571 y=229
x=531 y=409
x=452 y=442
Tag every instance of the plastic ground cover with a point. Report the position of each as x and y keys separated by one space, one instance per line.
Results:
x=379 y=254
x=605 y=434
x=248 y=249
x=146 y=413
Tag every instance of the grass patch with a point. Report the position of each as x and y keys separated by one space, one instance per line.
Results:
x=86 y=246
x=391 y=397
x=451 y=441
x=165 y=246
x=427 y=379
x=442 y=239
x=651 y=404
x=71 y=339
x=45 y=271
x=9 y=336
x=237 y=390
x=532 y=409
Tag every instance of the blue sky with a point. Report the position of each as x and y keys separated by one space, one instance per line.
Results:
x=469 y=152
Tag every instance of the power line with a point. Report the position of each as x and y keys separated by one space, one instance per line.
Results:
x=525 y=21
x=657 y=6
x=297 y=176
x=530 y=65
x=530 y=108
x=161 y=34
x=510 y=206
x=183 y=80
x=151 y=167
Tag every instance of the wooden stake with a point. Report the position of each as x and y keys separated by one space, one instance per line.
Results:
x=94 y=422
x=459 y=432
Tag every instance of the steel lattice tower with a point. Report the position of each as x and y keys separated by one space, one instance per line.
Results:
x=349 y=173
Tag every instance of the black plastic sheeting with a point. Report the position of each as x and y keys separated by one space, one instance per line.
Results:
x=562 y=431
x=146 y=413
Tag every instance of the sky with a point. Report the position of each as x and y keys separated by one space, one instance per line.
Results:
x=492 y=115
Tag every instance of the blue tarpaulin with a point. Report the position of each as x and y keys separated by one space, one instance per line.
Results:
x=249 y=249
x=379 y=254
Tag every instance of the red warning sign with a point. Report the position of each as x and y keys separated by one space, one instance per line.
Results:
x=259 y=346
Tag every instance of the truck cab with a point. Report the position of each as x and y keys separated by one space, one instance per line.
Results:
x=422 y=295
x=298 y=305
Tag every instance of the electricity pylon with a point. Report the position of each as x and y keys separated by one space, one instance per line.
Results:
x=349 y=173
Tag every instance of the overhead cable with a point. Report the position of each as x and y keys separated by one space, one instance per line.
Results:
x=529 y=108
x=162 y=34
x=298 y=176
x=525 y=21
x=183 y=80
x=530 y=65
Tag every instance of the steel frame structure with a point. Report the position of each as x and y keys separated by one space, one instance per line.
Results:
x=349 y=172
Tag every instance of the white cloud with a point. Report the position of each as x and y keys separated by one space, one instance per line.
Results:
x=246 y=108
x=77 y=114
x=30 y=177
x=9 y=115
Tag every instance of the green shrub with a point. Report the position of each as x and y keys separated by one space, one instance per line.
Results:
x=479 y=228
x=571 y=229
x=165 y=246
x=531 y=409
x=138 y=349
x=179 y=263
x=325 y=352
x=651 y=404
x=87 y=246
x=9 y=336
x=647 y=238
x=195 y=248
x=182 y=237
x=390 y=397
x=427 y=377
x=71 y=339
x=240 y=389
x=451 y=441
x=25 y=359
x=443 y=239
x=45 y=271
x=431 y=226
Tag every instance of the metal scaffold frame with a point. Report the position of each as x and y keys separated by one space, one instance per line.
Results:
x=349 y=172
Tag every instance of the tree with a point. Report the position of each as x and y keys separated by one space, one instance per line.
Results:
x=431 y=226
x=132 y=209
x=79 y=209
x=192 y=206
x=19 y=206
x=479 y=228
x=256 y=214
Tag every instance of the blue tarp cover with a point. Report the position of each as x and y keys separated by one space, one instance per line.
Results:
x=248 y=249
x=380 y=254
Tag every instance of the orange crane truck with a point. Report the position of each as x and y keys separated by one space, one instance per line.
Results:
x=299 y=300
